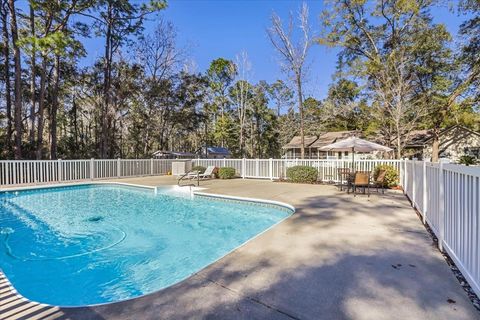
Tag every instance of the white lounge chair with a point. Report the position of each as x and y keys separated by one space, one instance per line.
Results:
x=206 y=175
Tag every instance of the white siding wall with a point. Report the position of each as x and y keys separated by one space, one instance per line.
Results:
x=453 y=144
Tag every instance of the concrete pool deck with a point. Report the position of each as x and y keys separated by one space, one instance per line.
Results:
x=337 y=257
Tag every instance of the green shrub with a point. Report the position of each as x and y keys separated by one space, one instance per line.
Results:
x=200 y=169
x=226 y=173
x=467 y=160
x=302 y=174
x=391 y=175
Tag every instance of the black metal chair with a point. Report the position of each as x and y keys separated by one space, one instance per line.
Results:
x=343 y=175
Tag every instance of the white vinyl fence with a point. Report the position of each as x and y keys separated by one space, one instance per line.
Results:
x=448 y=198
x=277 y=168
x=26 y=172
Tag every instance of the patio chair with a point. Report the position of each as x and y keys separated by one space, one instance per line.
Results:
x=205 y=175
x=380 y=181
x=343 y=176
x=361 y=180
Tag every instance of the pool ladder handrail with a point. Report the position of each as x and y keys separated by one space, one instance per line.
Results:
x=186 y=174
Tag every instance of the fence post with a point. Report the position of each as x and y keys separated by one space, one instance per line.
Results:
x=224 y=162
x=119 y=168
x=405 y=180
x=323 y=172
x=243 y=168
x=441 y=207
x=401 y=170
x=59 y=170
x=414 y=166
x=424 y=192
x=257 y=169
x=270 y=168
x=151 y=166
x=92 y=169
x=35 y=172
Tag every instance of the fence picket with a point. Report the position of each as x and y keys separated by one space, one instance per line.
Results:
x=450 y=195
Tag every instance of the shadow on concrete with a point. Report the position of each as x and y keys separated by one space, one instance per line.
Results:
x=390 y=286
x=337 y=257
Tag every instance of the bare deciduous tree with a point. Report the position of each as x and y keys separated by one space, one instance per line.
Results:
x=18 y=104
x=4 y=12
x=293 y=53
x=161 y=58
x=396 y=100
x=241 y=94
x=158 y=52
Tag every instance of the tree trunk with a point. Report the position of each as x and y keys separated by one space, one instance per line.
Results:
x=300 y=110
x=435 y=144
x=399 y=145
x=54 y=109
x=257 y=129
x=18 y=81
x=41 y=108
x=75 y=122
x=241 y=139
x=106 y=85
x=32 y=79
x=206 y=139
x=6 y=74
x=146 y=140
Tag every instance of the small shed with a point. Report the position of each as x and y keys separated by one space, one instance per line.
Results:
x=215 y=153
x=172 y=155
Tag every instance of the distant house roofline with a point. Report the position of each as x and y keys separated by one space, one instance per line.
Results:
x=321 y=140
x=295 y=142
x=163 y=153
x=418 y=141
x=217 y=150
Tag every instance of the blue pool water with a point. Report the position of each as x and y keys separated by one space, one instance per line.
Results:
x=92 y=244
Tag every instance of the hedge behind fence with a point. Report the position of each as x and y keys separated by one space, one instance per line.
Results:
x=200 y=169
x=226 y=173
x=302 y=174
x=391 y=175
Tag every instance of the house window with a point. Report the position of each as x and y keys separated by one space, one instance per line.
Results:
x=444 y=154
x=475 y=152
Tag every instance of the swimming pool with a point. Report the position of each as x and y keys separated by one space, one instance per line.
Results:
x=92 y=244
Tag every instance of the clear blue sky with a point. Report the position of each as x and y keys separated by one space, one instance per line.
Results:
x=219 y=28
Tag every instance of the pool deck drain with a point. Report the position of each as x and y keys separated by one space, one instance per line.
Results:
x=337 y=257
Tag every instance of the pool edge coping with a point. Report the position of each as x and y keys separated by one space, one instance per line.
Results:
x=247 y=199
x=71 y=184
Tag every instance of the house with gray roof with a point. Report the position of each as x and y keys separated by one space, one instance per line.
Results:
x=455 y=141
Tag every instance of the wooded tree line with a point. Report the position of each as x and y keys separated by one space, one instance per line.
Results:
x=397 y=71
